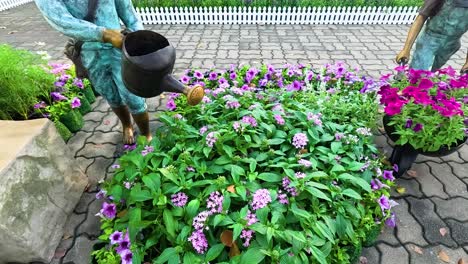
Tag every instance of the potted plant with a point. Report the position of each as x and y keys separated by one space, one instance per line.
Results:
x=425 y=113
x=255 y=174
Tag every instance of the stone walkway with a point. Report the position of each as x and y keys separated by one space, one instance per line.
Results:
x=435 y=197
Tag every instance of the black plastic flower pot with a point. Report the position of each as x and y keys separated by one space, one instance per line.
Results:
x=85 y=106
x=89 y=94
x=63 y=131
x=405 y=155
x=73 y=120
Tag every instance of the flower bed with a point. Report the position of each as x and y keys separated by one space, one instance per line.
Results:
x=427 y=110
x=262 y=172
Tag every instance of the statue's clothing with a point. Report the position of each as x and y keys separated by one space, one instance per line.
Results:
x=102 y=60
x=440 y=38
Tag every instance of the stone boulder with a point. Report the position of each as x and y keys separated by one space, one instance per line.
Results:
x=40 y=185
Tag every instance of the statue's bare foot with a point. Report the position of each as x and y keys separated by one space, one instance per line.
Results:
x=128 y=138
x=149 y=138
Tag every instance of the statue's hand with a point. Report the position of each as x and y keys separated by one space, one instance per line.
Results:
x=113 y=37
x=402 y=57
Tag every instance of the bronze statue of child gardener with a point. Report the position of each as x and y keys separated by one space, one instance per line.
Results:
x=444 y=23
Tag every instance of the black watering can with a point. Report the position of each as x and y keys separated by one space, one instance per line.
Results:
x=147 y=63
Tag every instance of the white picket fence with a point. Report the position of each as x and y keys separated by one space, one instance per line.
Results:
x=7 y=4
x=278 y=15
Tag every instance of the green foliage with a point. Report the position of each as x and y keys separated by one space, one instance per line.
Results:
x=319 y=205
x=73 y=120
x=24 y=79
x=258 y=3
x=63 y=130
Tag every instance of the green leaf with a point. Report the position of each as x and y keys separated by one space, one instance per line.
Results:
x=295 y=235
x=253 y=255
x=318 y=254
x=134 y=222
x=190 y=258
x=261 y=157
x=218 y=219
x=275 y=141
x=214 y=252
x=242 y=192
x=168 y=174
x=192 y=208
x=165 y=255
x=206 y=151
x=336 y=147
x=174 y=259
x=237 y=231
x=351 y=193
x=355 y=166
x=152 y=181
x=237 y=170
x=325 y=231
x=139 y=195
x=223 y=160
x=169 y=222
x=317 y=193
x=318 y=174
x=300 y=212
x=270 y=177
x=116 y=192
x=252 y=165
x=356 y=181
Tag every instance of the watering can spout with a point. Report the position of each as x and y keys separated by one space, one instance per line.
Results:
x=147 y=63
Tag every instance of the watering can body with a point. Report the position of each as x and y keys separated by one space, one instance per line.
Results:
x=147 y=64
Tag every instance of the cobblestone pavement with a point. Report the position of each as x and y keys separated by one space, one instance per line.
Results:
x=436 y=197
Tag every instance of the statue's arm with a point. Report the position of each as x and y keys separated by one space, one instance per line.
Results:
x=128 y=15
x=58 y=16
x=413 y=33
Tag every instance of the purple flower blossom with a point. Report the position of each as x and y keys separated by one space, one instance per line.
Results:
x=391 y=221
x=203 y=130
x=291 y=190
x=42 y=104
x=75 y=103
x=124 y=244
x=282 y=197
x=384 y=202
x=315 y=118
x=388 y=175
x=339 y=136
x=198 y=75
x=191 y=169
x=179 y=199
x=409 y=123
x=59 y=84
x=211 y=139
x=279 y=119
x=116 y=237
x=185 y=79
x=237 y=127
x=126 y=257
x=115 y=166
x=109 y=210
x=171 y=105
x=395 y=167
x=215 y=202
x=147 y=150
x=418 y=127
x=300 y=175
x=261 y=199
x=199 y=221
x=78 y=83
x=305 y=163
x=199 y=242
x=206 y=100
x=57 y=96
x=232 y=104
x=127 y=185
x=300 y=140
x=213 y=76
x=262 y=82
x=247 y=236
x=376 y=184
x=101 y=194
x=129 y=147
x=249 y=120
x=278 y=108
x=251 y=218
x=233 y=76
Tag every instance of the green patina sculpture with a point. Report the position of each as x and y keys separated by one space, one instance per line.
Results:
x=442 y=23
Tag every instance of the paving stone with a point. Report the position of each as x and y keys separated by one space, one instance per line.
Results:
x=94 y=116
x=390 y=254
x=107 y=123
x=99 y=137
x=453 y=157
x=388 y=236
x=423 y=211
x=96 y=172
x=84 y=162
x=77 y=142
x=372 y=254
x=455 y=208
x=430 y=185
x=74 y=220
x=430 y=254
x=410 y=185
x=86 y=199
x=459 y=170
x=452 y=185
x=89 y=126
x=81 y=251
x=92 y=226
x=101 y=105
x=408 y=230
x=91 y=150
x=463 y=153
x=459 y=231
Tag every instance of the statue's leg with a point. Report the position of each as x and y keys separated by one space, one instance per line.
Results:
x=424 y=52
x=445 y=52
x=98 y=64
x=136 y=105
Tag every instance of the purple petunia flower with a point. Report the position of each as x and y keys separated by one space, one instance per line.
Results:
x=185 y=79
x=233 y=76
x=109 y=210
x=179 y=199
x=78 y=83
x=59 y=84
x=75 y=102
x=391 y=221
x=199 y=242
x=57 y=96
x=171 y=105
x=261 y=199
x=395 y=167
x=418 y=127
x=409 y=123
x=124 y=244
x=384 y=202
x=376 y=184
x=300 y=140
x=101 y=194
x=116 y=237
x=126 y=257
x=213 y=76
x=115 y=166
x=40 y=105
x=388 y=175
x=198 y=75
